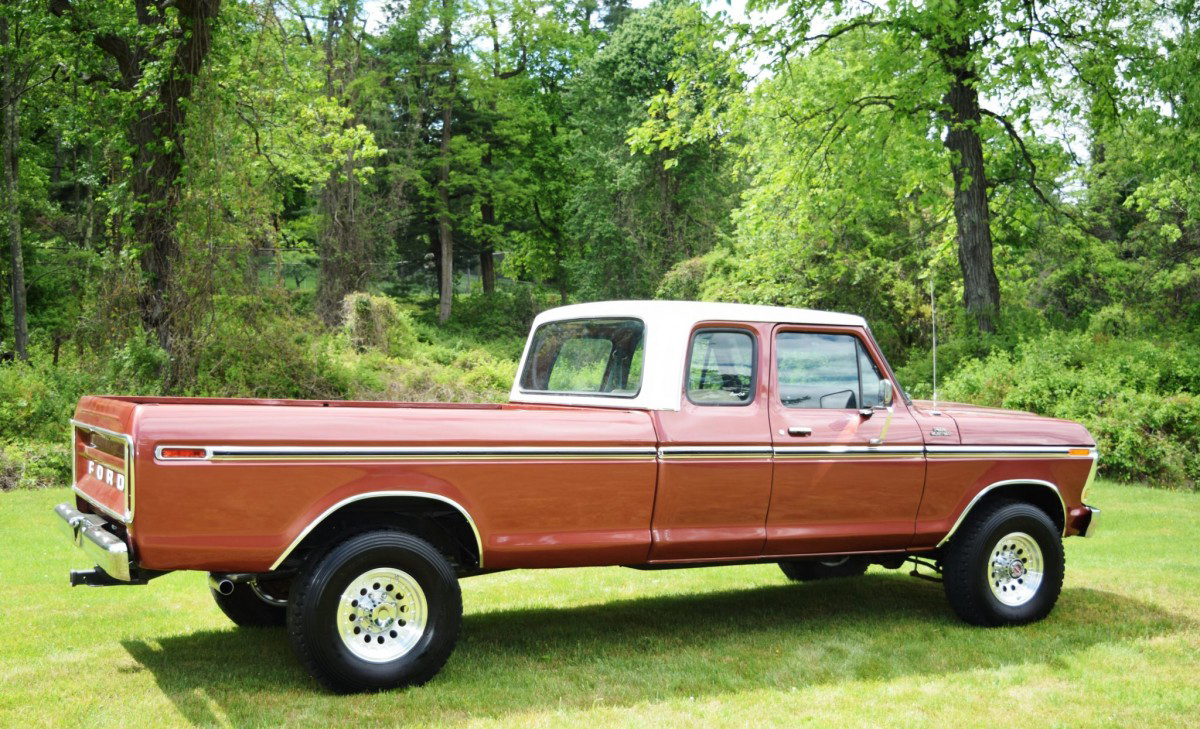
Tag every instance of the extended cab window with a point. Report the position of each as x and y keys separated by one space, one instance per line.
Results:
x=721 y=368
x=830 y=371
x=586 y=357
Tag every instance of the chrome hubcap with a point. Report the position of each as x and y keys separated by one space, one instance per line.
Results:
x=382 y=614
x=1014 y=569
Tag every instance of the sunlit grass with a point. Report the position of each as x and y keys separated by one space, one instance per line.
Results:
x=733 y=646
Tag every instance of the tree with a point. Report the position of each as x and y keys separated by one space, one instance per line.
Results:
x=346 y=248
x=157 y=55
x=977 y=67
x=16 y=75
x=637 y=211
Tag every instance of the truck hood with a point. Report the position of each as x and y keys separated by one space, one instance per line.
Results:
x=978 y=425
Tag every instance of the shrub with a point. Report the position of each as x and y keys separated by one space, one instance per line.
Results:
x=685 y=280
x=30 y=464
x=376 y=322
x=1138 y=397
x=258 y=349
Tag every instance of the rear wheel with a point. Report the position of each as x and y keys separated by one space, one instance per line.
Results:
x=381 y=610
x=252 y=606
x=806 y=571
x=1005 y=565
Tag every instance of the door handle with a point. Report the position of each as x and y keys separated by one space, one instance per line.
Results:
x=800 y=431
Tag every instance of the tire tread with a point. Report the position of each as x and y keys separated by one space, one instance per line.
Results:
x=302 y=594
x=958 y=568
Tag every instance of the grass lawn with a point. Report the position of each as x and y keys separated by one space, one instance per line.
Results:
x=733 y=646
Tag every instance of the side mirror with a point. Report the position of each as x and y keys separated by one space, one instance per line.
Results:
x=886 y=393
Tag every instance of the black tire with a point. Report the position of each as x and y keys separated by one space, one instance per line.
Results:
x=976 y=575
x=824 y=569
x=247 y=610
x=412 y=649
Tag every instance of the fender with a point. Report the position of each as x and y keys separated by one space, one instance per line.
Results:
x=992 y=487
x=376 y=495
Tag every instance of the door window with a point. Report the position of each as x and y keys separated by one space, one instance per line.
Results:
x=721 y=368
x=830 y=371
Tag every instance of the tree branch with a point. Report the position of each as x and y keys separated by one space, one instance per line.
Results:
x=1031 y=179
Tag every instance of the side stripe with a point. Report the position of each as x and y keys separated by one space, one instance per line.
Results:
x=622 y=453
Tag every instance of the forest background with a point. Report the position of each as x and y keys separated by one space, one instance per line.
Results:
x=339 y=199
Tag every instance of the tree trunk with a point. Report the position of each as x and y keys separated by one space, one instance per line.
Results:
x=157 y=136
x=487 y=215
x=12 y=202
x=345 y=248
x=445 y=230
x=981 y=289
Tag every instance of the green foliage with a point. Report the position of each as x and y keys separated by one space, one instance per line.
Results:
x=254 y=350
x=793 y=155
x=34 y=464
x=377 y=322
x=1136 y=396
x=507 y=312
x=685 y=280
x=637 y=214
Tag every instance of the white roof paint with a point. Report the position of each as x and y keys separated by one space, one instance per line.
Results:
x=668 y=327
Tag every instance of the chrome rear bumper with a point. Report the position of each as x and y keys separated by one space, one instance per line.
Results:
x=100 y=545
x=1089 y=530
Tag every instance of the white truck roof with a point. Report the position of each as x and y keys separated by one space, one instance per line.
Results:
x=668 y=325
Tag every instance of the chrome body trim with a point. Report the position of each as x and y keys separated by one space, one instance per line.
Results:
x=1087 y=485
x=848 y=450
x=1093 y=522
x=287 y=453
x=713 y=452
x=87 y=531
x=379 y=495
x=978 y=451
x=992 y=487
x=130 y=481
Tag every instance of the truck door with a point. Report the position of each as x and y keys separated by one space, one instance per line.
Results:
x=848 y=472
x=714 y=478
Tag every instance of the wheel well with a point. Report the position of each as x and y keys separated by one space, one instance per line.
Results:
x=1042 y=494
x=441 y=524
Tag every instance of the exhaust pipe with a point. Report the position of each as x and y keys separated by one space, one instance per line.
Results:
x=224 y=584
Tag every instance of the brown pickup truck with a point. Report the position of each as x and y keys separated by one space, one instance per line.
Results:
x=643 y=434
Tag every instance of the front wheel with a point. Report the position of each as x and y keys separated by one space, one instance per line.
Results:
x=382 y=610
x=1005 y=566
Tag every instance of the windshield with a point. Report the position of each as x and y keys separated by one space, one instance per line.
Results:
x=586 y=357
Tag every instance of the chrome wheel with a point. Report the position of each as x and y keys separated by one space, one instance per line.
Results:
x=1014 y=569
x=382 y=614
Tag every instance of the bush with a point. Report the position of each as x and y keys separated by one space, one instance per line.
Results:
x=27 y=464
x=685 y=280
x=376 y=322
x=258 y=349
x=1136 y=396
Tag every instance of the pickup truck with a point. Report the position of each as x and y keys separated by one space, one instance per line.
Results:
x=645 y=434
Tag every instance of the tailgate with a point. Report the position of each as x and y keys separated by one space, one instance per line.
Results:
x=102 y=453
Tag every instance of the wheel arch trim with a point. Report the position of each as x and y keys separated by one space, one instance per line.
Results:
x=426 y=495
x=1001 y=484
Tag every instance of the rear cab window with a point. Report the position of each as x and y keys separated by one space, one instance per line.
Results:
x=586 y=357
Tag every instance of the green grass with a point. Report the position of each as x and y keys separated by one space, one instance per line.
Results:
x=732 y=646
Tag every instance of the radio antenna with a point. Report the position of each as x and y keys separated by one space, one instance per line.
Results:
x=933 y=319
